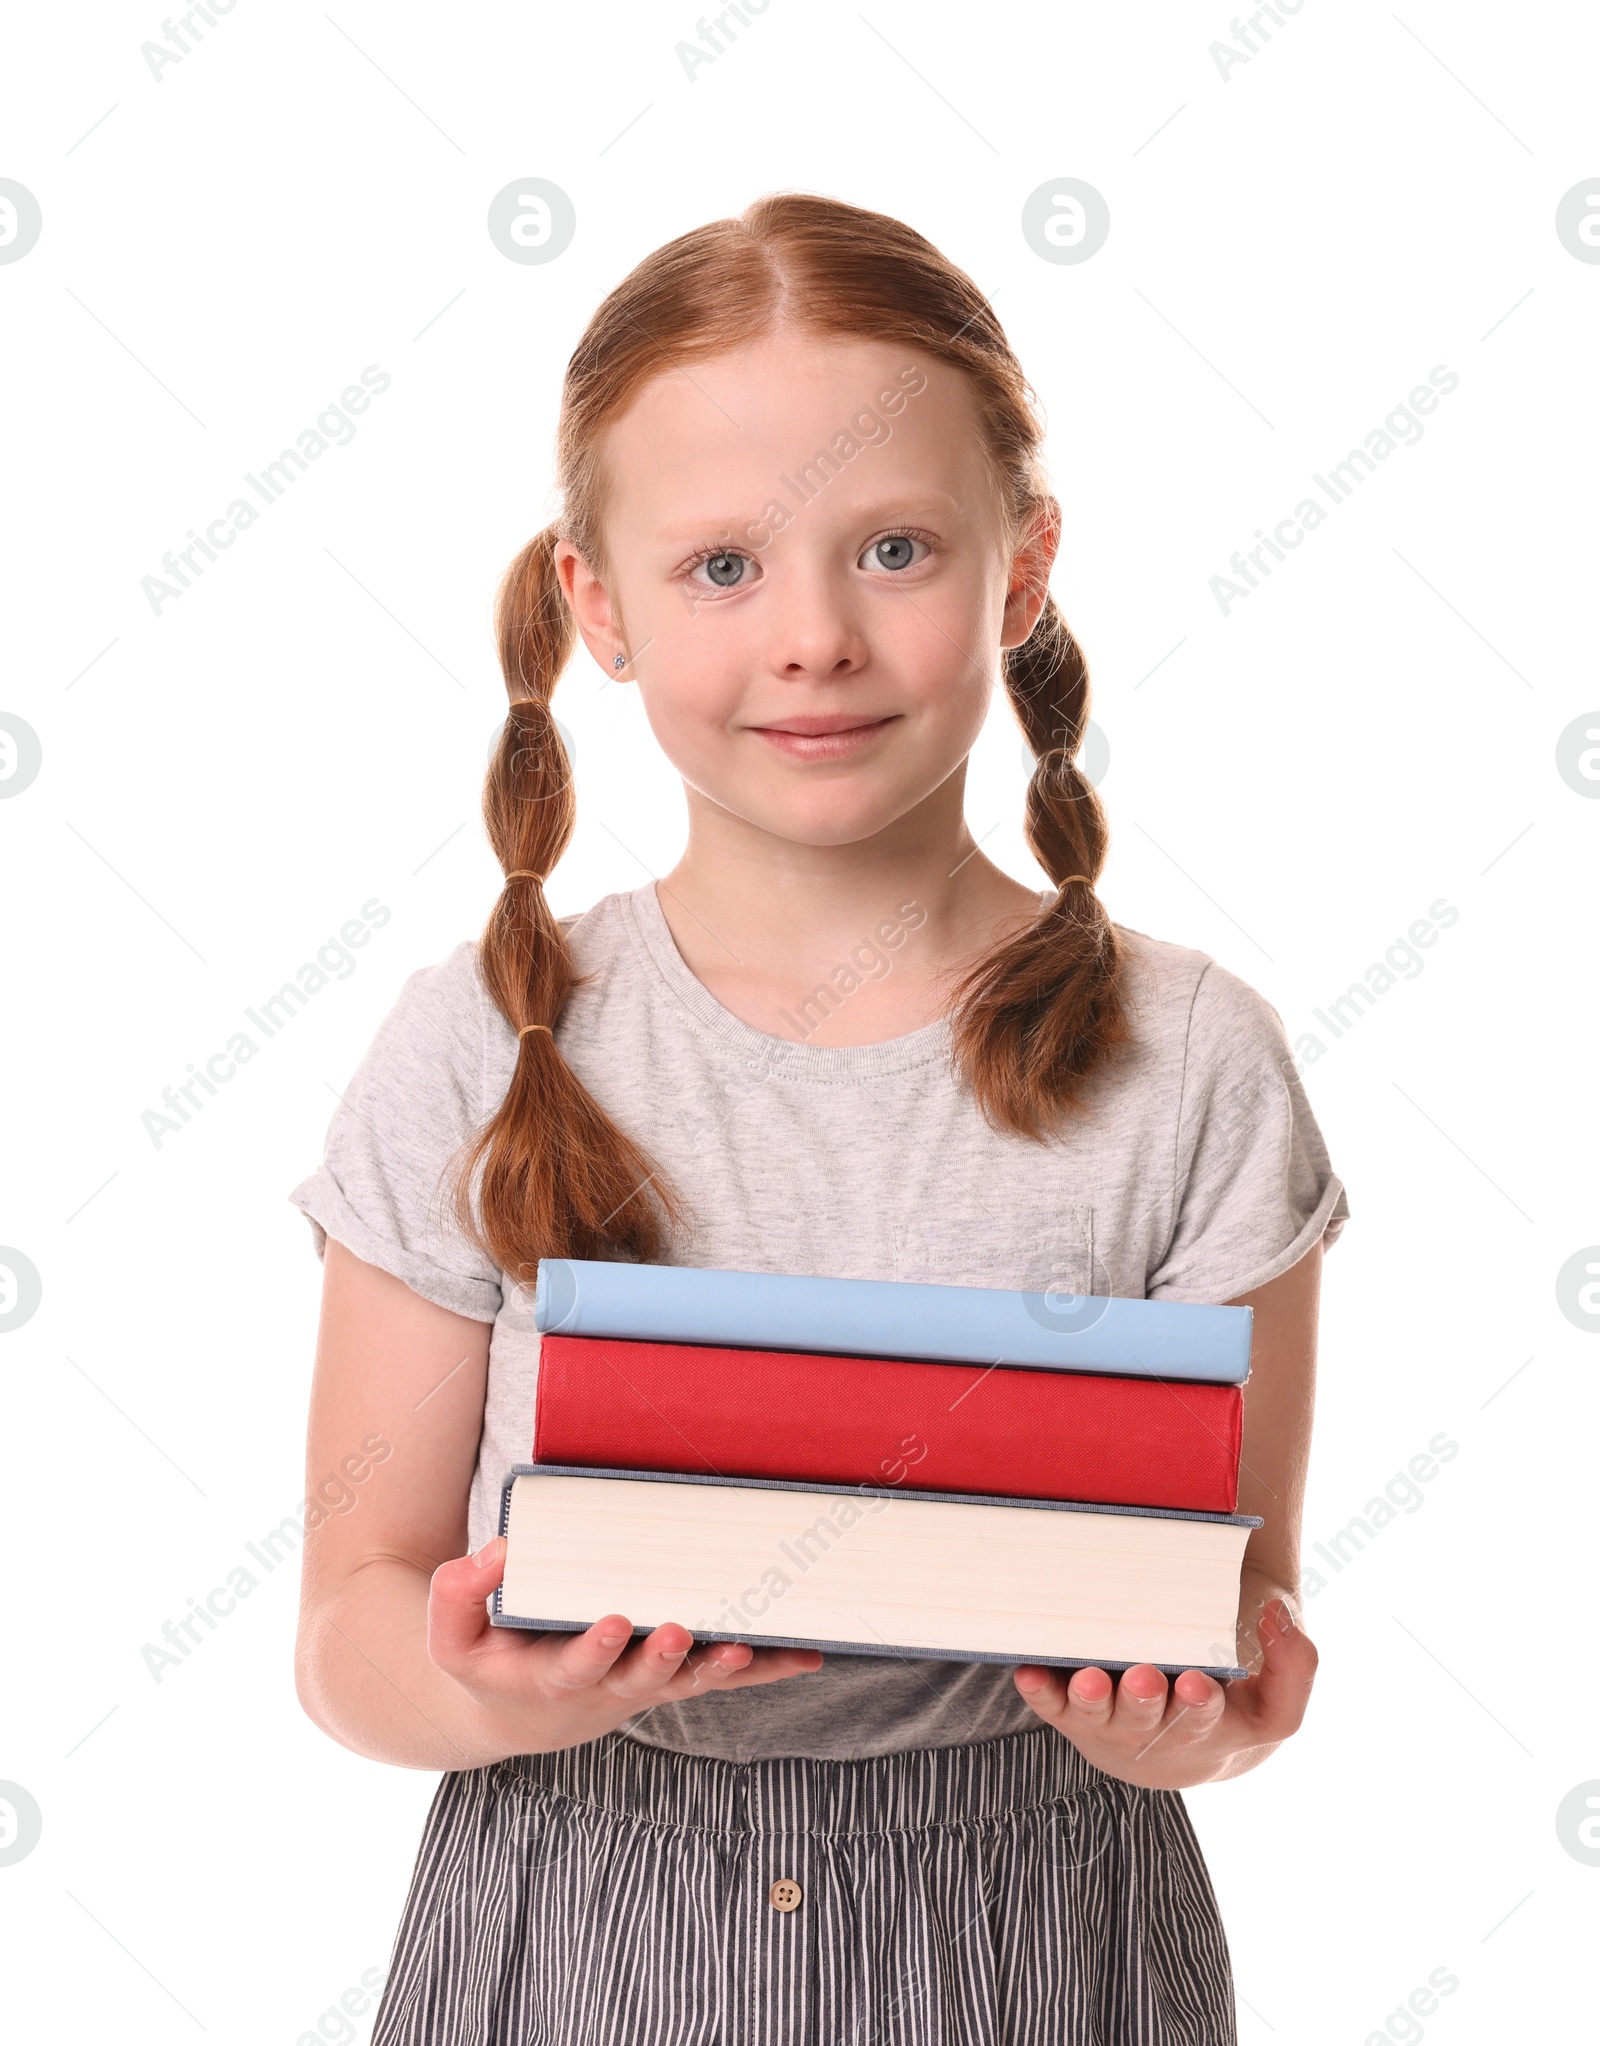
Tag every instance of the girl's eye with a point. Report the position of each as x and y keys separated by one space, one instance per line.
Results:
x=897 y=550
x=726 y=570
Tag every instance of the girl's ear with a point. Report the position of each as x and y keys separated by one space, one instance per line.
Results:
x=591 y=608
x=1028 y=582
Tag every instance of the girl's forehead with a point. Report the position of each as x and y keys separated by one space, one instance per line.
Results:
x=878 y=414
x=785 y=371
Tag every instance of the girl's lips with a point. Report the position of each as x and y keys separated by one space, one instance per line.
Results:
x=837 y=744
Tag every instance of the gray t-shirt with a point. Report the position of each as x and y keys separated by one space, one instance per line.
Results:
x=1195 y=1172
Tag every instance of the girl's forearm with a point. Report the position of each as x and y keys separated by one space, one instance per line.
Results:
x=364 y=1675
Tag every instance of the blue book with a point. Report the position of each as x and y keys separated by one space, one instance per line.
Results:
x=890 y=1318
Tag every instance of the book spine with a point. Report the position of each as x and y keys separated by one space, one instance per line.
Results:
x=936 y=1427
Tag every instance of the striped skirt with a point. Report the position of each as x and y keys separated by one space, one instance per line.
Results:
x=623 y=1895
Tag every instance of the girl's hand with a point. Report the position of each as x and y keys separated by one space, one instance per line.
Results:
x=1196 y=1730
x=538 y=1692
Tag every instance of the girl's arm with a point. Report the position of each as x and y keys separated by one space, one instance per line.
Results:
x=395 y=1656
x=1196 y=1730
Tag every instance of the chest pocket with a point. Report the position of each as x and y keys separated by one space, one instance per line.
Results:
x=1048 y=1252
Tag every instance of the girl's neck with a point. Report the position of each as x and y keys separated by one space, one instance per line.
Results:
x=765 y=923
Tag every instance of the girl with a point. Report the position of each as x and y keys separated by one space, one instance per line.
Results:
x=803 y=514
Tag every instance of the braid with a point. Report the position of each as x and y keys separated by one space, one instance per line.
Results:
x=559 y=1178
x=1038 y=1013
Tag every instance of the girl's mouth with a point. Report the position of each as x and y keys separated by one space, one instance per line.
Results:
x=821 y=737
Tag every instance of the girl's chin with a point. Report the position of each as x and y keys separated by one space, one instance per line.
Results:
x=849 y=812
x=854 y=827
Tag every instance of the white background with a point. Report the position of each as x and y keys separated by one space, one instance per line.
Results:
x=1290 y=786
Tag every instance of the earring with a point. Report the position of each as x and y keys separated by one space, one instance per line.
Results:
x=618 y=661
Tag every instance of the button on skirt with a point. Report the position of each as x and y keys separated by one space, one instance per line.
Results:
x=1003 y=1893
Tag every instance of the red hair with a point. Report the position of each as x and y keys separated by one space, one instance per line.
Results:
x=1037 y=1013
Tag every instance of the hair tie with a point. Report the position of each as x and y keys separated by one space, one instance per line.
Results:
x=1084 y=878
x=524 y=874
x=545 y=1027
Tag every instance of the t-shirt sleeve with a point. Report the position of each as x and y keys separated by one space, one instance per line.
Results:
x=1253 y=1187
x=383 y=1188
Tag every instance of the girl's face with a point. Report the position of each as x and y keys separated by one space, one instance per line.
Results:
x=808 y=569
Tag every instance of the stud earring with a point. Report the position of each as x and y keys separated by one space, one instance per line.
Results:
x=617 y=661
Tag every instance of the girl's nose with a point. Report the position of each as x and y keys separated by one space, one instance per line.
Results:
x=815 y=635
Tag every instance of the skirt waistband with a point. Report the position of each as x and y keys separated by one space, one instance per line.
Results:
x=911 y=1790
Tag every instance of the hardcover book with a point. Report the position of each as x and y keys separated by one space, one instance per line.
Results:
x=870 y=1570
x=893 y=1318
x=887 y=1421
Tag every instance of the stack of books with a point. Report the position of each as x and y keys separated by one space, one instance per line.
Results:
x=871 y=1467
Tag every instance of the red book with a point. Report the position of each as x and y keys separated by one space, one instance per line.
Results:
x=886 y=1421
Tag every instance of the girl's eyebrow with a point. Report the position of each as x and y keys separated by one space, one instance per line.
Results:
x=936 y=505
x=715 y=524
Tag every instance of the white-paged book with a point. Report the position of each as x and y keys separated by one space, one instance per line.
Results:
x=871 y=1570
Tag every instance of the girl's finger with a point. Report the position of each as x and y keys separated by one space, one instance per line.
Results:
x=1091 y=1699
x=588 y=1658
x=721 y=1659
x=457 y=1617
x=735 y=1665
x=1196 y=1705
x=651 y=1664
x=1141 y=1701
x=1277 y=1696
x=1194 y=1689
x=1078 y=1705
x=1044 y=1689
